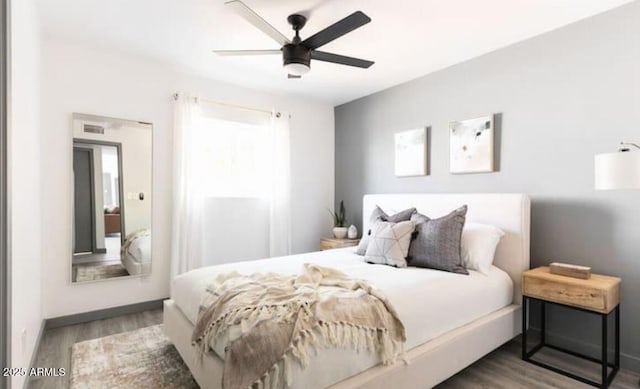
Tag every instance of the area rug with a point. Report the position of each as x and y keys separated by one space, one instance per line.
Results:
x=83 y=273
x=143 y=358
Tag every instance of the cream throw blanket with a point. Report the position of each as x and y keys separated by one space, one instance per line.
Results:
x=265 y=322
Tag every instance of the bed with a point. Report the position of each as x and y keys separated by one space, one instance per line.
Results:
x=136 y=252
x=451 y=320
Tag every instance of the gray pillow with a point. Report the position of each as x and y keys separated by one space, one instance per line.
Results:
x=437 y=242
x=389 y=243
x=379 y=215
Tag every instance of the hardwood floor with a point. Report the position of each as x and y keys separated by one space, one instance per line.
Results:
x=500 y=369
x=503 y=368
x=55 y=348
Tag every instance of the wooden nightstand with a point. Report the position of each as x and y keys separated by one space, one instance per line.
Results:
x=333 y=243
x=599 y=295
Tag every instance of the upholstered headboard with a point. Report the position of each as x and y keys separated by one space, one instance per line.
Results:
x=509 y=212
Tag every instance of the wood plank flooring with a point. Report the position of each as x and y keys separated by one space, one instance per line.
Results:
x=503 y=368
x=55 y=347
x=500 y=369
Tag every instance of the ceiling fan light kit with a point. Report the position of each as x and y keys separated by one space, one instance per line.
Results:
x=296 y=69
x=297 y=53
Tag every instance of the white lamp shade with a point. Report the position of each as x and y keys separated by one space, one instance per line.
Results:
x=619 y=170
x=297 y=69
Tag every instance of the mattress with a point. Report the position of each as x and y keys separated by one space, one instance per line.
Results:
x=429 y=302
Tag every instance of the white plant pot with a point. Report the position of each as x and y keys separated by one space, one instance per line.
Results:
x=352 y=233
x=340 y=232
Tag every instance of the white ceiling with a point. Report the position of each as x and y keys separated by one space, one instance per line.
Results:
x=406 y=38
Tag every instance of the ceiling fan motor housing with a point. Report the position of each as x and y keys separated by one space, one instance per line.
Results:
x=296 y=53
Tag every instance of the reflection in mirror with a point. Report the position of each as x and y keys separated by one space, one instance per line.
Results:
x=112 y=198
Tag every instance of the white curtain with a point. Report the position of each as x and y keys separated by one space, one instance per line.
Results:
x=188 y=196
x=280 y=200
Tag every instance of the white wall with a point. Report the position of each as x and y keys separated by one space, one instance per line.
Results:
x=24 y=183
x=94 y=81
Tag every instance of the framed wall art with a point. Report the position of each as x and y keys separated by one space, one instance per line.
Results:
x=471 y=145
x=411 y=153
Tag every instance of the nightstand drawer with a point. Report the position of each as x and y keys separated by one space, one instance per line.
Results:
x=576 y=295
x=598 y=293
x=334 y=243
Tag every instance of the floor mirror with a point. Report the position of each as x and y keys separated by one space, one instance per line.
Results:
x=112 y=180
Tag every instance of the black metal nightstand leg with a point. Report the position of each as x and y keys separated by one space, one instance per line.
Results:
x=616 y=358
x=617 y=345
x=525 y=302
x=605 y=351
x=543 y=322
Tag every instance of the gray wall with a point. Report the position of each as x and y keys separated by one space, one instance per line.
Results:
x=562 y=97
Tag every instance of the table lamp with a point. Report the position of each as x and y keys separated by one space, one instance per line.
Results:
x=619 y=170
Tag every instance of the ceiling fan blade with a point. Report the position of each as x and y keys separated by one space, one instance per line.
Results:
x=340 y=59
x=250 y=16
x=336 y=30
x=231 y=53
x=293 y=76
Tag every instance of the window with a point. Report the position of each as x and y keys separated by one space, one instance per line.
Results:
x=236 y=158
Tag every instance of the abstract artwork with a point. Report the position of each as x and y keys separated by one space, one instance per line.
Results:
x=471 y=143
x=411 y=153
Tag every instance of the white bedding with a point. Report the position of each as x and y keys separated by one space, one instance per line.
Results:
x=137 y=256
x=429 y=302
x=140 y=249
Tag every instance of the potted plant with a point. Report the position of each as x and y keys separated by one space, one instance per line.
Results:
x=339 y=222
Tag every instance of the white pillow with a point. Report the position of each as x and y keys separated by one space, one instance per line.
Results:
x=479 y=242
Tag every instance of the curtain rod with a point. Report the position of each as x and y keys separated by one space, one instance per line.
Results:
x=210 y=101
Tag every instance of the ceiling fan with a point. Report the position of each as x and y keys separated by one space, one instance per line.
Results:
x=297 y=53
